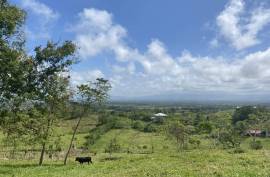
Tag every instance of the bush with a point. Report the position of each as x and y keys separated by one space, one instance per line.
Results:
x=229 y=139
x=150 y=128
x=138 y=125
x=194 y=141
x=178 y=131
x=122 y=123
x=205 y=127
x=101 y=129
x=103 y=119
x=256 y=145
x=97 y=132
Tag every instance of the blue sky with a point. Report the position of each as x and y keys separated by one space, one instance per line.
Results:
x=159 y=47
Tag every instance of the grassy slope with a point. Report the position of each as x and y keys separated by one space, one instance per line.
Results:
x=165 y=161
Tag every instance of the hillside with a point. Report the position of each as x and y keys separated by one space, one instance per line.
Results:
x=164 y=161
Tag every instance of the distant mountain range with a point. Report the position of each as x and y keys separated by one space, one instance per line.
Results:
x=200 y=98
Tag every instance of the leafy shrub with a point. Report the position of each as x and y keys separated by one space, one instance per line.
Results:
x=229 y=139
x=191 y=129
x=103 y=119
x=150 y=128
x=138 y=125
x=178 y=131
x=205 y=127
x=256 y=145
x=96 y=133
x=122 y=123
x=101 y=129
x=194 y=141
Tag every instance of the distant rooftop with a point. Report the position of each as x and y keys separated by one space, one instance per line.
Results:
x=160 y=115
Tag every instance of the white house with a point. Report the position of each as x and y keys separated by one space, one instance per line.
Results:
x=158 y=117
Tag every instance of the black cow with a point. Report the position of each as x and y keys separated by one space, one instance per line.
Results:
x=84 y=159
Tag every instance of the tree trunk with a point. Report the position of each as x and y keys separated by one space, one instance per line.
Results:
x=42 y=154
x=72 y=139
x=44 y=143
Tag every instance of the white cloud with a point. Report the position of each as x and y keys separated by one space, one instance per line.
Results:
x=96 y=33
x=156 y=71
x=40 y=9
x=42 y=18
x=128 y=69
x=238 y=27
x=85 y=76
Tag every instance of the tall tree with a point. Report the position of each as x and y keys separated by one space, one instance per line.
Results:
x=51 y=80
x=90 y=95
x=13 y=68
x=12 y=58
x=31 y=88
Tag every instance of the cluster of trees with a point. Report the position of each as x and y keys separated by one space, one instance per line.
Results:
x=35 y=90
x=225 y=128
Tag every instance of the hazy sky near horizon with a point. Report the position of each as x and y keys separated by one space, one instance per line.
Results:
x=159 y=47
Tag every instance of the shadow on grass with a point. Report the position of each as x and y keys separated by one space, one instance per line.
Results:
x=28 y=165
x=10 y=169
x=110 y=159
x=5 y=172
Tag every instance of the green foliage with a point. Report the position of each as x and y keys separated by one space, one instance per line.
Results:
x=96 y=133
x=121 y=123
x=104 y=118
x=113 y=146
x=94 y=93
x=229 y=138
x=243 y=113
x=138 y=125
x=205 y=127
x=101 y=129
x=143 y=115
x=11 y=19
x=179 y=132
x=256 y=145
x=194 y=141
x=241 y=127
x=150 y=128
x=91 y=95
x=30 y=82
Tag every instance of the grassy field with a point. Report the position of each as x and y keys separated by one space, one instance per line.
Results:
x=165 y=161
x=194 y=163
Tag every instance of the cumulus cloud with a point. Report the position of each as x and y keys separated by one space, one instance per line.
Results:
x=40 y=9
x=156 y=71
x=240 y=28
x=96 y=33
x=85 y=76
x=43 y=17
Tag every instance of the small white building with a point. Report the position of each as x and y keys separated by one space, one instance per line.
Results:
x=158 y=117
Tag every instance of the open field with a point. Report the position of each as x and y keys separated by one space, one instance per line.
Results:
x=195 y=163
x=165 y=161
